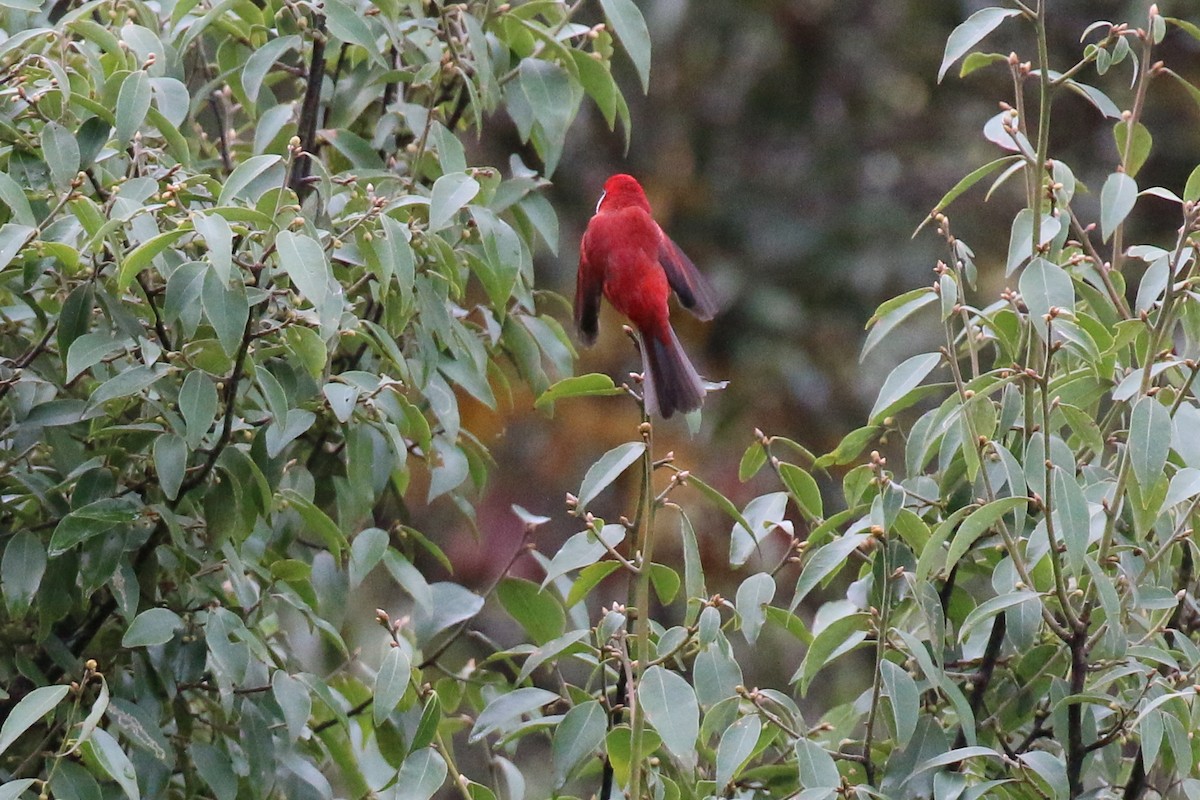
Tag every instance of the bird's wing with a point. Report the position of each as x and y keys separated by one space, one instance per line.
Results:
x=588 y=286
x=693 y=290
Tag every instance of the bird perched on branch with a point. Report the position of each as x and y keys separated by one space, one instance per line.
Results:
x=626 y=256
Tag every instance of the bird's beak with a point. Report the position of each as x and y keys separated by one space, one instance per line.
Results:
x=600 y=201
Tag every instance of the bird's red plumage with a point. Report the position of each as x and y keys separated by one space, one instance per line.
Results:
x=626 y=257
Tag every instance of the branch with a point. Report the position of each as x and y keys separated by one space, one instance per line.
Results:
x=309 y=110
x=164 y=338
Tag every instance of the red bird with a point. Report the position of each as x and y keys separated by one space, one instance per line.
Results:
x=626 y=255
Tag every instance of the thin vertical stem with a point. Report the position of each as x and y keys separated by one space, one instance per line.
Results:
x=645 y=547
x=1043 y=139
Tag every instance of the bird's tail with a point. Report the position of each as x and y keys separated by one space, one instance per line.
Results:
x=670 y=381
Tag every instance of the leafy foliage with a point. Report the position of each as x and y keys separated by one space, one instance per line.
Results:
x=236 y=355
x=247 y=276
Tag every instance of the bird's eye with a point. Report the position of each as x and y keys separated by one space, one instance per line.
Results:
x=600 y=201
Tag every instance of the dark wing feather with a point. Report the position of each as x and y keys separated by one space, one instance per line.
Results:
x=588 y=286
x=692 y=288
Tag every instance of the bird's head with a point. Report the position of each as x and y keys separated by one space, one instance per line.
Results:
x=622 y=191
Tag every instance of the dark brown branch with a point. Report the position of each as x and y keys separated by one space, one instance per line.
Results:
x=164 y=338
x=987 y=666
x=1076 y=751
x=27 y=358
x=231 y=390
x=1137 y=778
x=309 y=111
x=333 y=80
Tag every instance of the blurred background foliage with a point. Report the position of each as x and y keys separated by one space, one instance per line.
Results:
x=791 y=148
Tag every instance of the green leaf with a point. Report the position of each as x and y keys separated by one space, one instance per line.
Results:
x=1191 y=191
x=13 y=196
x=823 y=562
x=1045 y=285
x=1020 y=242
x=803 y=489
x=817 y=770
x=752 y=461
x=552 y=98
x=969 y=180
x=61 y=152
x=243 y=175
x=198 y=405
x=21 y=571
x=227 y=310
x=976 y=61
x=901 y=690
x=666 y=582
x=346 y=23
x=112 y=760
x=606 y=470
x=979 y=522
x=357 y=150
x=969 y=33
x=170 y=462
x=11 y=790
x=154 y=626
x=391 y=683
x=13 y=238
x=421 y=775
x=760 y=517
x=597 y=80
x=29 y=711
x=849 y=447
x=506 y=709
x=990 y=608
x=903 y=379
x=450 y=193
x=1149 y=440
x=262 y=60
x=589 y=578
x=218 y=238
x=143 y=254
x=294 y=699
x=735 y=748
x=670 y=706
x=88 y=350
x=1051 y=769
x=753 y=595
x=627 y=23
x=891 y=313
x=1139 y=152
x=838 y=637
x=591 y=385
x=306 y=265
x=581 y=550
x=719 y=500
x=1117 y=199
x=538 y=612
x=577 y=738
x=1071 y=510
x=133 y=101
x=554 y=651
x=93 y=519
x=317 y=521
x=789 y=622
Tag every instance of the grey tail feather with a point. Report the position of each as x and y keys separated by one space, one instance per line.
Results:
x=670 y=381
